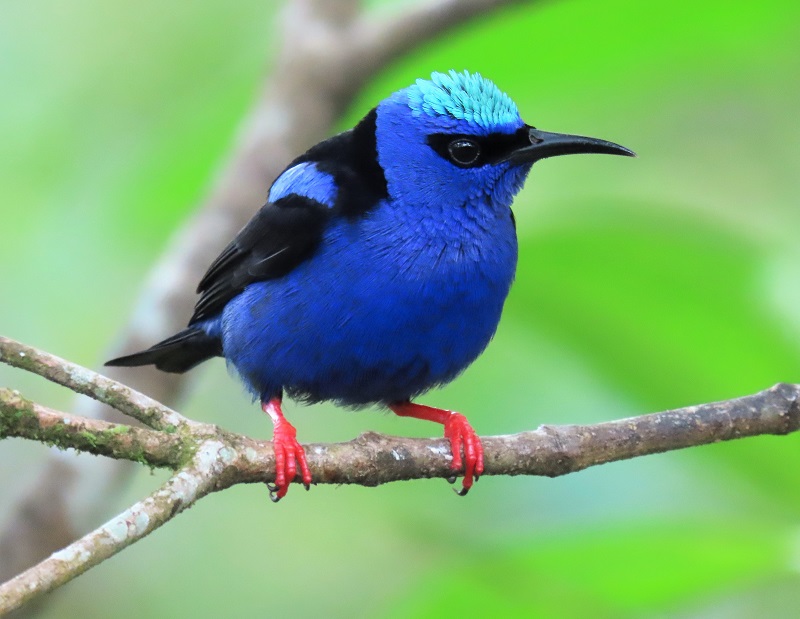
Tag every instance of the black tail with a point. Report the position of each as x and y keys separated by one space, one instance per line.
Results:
x=177 y=354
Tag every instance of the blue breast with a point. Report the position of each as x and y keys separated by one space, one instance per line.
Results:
x=389 y=306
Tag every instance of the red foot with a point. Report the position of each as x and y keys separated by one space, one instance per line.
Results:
x=288 y=452
x=460 y=433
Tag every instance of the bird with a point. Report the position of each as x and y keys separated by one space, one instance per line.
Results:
x=378 y=267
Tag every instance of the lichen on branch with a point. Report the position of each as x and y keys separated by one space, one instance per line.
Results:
x=20 y=417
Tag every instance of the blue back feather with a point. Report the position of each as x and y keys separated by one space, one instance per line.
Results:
x=307 y=180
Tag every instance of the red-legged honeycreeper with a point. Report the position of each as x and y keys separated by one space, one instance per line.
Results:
x=379 y=265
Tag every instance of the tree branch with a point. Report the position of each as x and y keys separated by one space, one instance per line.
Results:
x=208 y=458
x=84 y=381
x=373 y=459
x=23 y=418
x=177 y=494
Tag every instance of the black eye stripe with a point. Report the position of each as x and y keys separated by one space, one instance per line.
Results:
x=493 y=147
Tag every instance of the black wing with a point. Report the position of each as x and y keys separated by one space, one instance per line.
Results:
x=278 y=238
x=285 y=233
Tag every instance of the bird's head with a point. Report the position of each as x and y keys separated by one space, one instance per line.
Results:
x=459 y=138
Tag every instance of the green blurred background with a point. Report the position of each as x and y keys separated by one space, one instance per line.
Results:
x=643 y=284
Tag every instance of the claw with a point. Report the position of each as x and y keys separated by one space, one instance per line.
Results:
x=289 y=454
x=462 y=492
x=461 y=436
x=451 y=480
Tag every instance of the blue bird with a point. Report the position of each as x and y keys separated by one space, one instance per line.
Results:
x=379 y=266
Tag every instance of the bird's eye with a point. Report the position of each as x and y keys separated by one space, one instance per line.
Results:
x=464 y=152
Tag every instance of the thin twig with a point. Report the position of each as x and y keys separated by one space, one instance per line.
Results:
x=178 y=493
x=87 y=382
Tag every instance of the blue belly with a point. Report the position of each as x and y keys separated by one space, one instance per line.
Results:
x=368 y=319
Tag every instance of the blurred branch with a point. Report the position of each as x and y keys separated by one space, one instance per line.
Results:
x=208 y=458
x=328 y=50
x=383 y=38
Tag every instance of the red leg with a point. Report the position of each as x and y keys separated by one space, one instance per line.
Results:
x=288 y=452
x=458 y=431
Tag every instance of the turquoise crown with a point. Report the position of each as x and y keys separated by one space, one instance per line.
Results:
x=463 y=96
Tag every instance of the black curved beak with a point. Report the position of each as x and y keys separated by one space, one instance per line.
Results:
x=544 y=144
